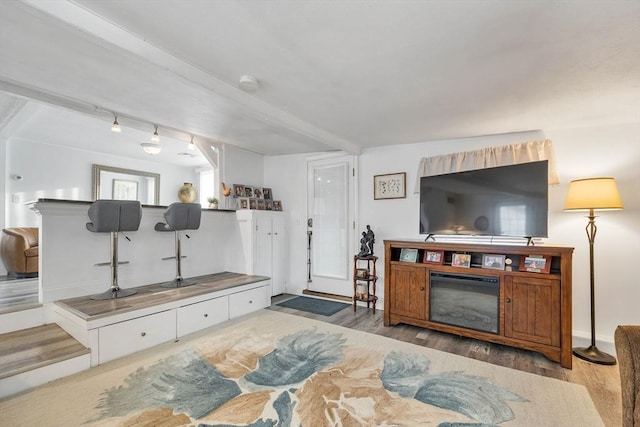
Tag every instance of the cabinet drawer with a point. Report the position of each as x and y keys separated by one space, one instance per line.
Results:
x=194 y=317
x=128 y=337
x=245 y=302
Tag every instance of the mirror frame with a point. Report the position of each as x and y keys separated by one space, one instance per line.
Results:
x=96 y=184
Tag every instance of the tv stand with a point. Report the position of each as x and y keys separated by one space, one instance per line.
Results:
x=533 y=301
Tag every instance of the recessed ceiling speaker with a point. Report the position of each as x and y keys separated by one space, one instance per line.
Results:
x=248 y=83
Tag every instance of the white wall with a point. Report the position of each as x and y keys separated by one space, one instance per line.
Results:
x=242 y=167
x=603 y=151
x=56 y=172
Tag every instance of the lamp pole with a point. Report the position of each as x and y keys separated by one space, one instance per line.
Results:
x=592 y=353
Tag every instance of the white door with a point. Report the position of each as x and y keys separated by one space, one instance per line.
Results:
x=331 y=210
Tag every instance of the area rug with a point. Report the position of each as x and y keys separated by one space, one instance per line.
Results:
x=314 y=305
x=272 y=368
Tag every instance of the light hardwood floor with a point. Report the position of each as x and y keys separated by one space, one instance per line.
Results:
x=602 y=382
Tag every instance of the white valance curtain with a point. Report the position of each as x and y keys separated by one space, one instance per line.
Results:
x=489 y=157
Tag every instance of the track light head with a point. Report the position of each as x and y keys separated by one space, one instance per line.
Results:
x=155 y=137
x=115 y=127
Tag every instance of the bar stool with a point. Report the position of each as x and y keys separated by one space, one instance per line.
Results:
x=114 y=216
x=180 y=217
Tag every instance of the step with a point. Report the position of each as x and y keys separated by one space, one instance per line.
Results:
x=35 y=356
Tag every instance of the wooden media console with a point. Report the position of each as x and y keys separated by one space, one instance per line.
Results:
x=523 y=293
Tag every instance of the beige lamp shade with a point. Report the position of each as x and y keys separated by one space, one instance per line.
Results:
x=593 y=193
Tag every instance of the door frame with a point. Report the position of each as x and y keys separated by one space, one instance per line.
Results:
x=354 y=203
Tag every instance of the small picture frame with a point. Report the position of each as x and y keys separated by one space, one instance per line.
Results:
x=433 y=257
x=243 y=203
x=461 y=260
x=535 y=263
x=493 y=261
x=267 y=194
x=268 y=205
x=261 y=205
x=248 y=191
x=362 y=273
x=238 y=190
x=408 y=255
x=277 y=205
x=253 y=203
x=389 y=186
x=257 y=193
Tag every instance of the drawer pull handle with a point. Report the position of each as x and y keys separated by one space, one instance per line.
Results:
x=250 y=302
x=422 y=288
x=508 y=300
x=206 y=315
x=143 y=334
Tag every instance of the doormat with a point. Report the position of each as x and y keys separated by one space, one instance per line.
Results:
x=314 y=305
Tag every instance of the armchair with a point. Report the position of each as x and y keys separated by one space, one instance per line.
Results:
x=19 y=250
x=627 y=342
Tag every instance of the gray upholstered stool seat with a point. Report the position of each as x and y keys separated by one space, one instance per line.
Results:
x=114 y=216
x=180 y=217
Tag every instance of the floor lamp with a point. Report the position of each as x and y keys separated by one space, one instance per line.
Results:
x=593 y=194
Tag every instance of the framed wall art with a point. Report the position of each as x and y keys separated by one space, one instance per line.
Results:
x=389 y=186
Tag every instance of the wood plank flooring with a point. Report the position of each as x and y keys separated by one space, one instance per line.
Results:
x=32 y=348
x=602 y=382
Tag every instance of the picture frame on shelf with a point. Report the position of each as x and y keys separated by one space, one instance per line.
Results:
x=493 y=261
x=253 y=203
x=268 y=205
x=243 y=203
x=267 y=193
x=461 y=260
x=238 y=190
x=433 y=257
x=260 y=204
x=248 y=191
x=277 y=205
x=362 y=273
x=535 y=263
x=257 y=193
x=408 y=255
x=389 y=186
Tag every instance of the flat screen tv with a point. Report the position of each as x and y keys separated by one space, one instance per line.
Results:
x=501 y=201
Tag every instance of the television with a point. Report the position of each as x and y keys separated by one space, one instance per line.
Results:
x=499 y=201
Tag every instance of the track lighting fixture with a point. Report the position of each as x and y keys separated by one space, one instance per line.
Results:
x=155 y=137
x=191 y=145
x=115 y=127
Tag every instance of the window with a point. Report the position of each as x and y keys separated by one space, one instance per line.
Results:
x=207 y=186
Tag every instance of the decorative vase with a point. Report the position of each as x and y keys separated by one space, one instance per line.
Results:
x=187 y=194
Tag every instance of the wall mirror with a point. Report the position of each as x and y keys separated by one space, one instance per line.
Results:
x=125 y=184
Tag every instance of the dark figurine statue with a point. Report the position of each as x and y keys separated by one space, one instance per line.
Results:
x=366 y=243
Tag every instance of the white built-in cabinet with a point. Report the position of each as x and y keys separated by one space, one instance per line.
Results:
x=124 y=332
x=264 y=245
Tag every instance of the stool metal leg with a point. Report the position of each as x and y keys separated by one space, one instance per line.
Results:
x=179 y=281
x=114 y=291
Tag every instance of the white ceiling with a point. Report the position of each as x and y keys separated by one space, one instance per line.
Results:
x=334 y=75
